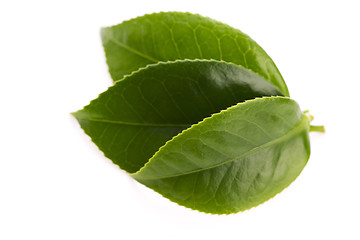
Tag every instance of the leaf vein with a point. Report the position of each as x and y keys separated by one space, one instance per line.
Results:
x=130 y=49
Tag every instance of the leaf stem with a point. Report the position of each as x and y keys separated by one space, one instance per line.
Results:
x=317 y=128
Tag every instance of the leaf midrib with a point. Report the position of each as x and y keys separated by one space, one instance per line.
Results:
x=297 y=128
x=134 y=123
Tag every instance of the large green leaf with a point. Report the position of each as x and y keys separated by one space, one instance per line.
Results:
x=234 y=160
x=139 y=114
x=169 y=36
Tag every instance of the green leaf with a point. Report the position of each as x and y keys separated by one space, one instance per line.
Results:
x=197 y=113
x=139 y=114
x=170 y=36
x=233 y=160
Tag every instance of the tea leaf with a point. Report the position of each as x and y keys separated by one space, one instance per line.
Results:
x=134 y=118
x=173 y=35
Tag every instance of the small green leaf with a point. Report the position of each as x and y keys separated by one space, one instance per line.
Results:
x=173 y=35
x=139 y=114
x=234 y=160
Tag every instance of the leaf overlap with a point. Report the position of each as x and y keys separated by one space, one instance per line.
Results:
x=198 y=112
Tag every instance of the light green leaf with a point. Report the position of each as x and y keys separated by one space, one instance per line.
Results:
x=170 y=36
x=233 y=160
x=139 y=114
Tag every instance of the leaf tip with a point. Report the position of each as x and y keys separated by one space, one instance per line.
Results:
x=76 y=114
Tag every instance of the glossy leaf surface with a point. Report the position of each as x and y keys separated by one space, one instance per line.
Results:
x=234 y=160
x=139 y=114
x=173 y=35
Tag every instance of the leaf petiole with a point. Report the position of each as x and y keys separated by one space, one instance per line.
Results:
x=317 y=128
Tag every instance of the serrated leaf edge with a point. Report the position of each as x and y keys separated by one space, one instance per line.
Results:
x=224 y=213
x=192 y=60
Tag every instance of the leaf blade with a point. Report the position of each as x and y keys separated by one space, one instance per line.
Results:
x=138 y=113
x=257 y=176
x=173 y=35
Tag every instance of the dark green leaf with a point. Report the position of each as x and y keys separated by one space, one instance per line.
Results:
x=173 y=35
x=234 y=160
x=139 y=114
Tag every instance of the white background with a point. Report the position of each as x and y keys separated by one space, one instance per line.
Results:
x=55 y=184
